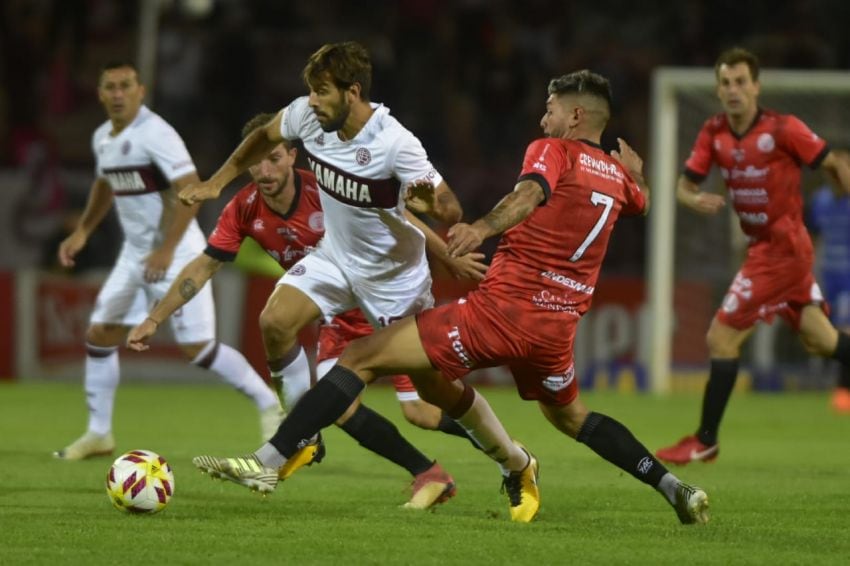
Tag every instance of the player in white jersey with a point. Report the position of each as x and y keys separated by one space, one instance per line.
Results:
x=368 y=167
x=141 y=163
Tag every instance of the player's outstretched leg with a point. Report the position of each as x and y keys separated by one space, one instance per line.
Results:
x=615 y=443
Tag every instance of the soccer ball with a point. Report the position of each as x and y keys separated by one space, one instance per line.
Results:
x=140 y=481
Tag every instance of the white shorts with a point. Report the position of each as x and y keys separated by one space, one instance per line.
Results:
x=126 y=298
x=383 y=302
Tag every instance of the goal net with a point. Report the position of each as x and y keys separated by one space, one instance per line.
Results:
x=693 y=258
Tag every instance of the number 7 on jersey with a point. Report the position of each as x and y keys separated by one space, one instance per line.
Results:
x=596 y=198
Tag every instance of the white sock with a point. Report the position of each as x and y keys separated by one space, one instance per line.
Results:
x=296 y=378
x=268 y=456
x=485 y=428
x=235 y=370
x=667 y=487
x=101 y=381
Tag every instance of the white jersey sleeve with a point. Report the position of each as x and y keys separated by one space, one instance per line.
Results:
x=411 y=163
x=95 y=137
x=167 y=151
x=295 y=118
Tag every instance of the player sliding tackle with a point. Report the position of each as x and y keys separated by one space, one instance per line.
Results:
x=523 y=315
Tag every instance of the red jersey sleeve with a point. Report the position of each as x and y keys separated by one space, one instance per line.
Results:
x=698 y=163
x=223 y=244
x=545 y=162
x=801 y=142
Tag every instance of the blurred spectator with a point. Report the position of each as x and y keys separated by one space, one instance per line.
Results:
x=467 y=76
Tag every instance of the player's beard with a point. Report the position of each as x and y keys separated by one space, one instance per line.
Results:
x=335 y=124
x=278 y=189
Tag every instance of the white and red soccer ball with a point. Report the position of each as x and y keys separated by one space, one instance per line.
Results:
x=140 y=481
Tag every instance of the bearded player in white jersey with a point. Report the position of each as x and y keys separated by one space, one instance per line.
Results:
x=141 y=164
x=368 y=167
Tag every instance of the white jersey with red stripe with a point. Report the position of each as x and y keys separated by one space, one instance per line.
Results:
x=361 y=181
x=138 y=164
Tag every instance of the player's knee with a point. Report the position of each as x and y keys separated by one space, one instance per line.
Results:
x=275 y=324
x=815 y=346
x=719 y=346
x=417 y=414
x=356 y=355
x=104 y=335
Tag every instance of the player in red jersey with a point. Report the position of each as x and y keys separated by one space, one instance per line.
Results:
x=759 y=153
x=280 y=209
x=557 y=222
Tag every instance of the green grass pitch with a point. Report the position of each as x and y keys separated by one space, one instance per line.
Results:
x=779 y=492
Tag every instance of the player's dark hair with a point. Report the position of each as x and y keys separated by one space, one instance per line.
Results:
x=344 y=63
x=119 y=64
x=258 y=121
x=582 y=82
x=737 y=55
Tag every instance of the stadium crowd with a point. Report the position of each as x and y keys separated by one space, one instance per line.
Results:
x=465 y=75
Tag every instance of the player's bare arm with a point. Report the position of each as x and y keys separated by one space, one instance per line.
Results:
x=252 y=150
x=837 y=166
x=187 y=284
x=97 y=206
x=510 y=211
x=469 y=266
x=437 y=202
x=689 y=194
x=176 y=217
x=633 y=163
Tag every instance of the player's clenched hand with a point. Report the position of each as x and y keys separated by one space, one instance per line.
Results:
x=462 y=239
x=468 y=266
x=629 y=158
x=199 y=192
x=138 y=336
x=157 y=264
x=419 y=196
x=70 y=247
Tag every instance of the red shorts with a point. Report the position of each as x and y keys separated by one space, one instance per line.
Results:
x=485 y=331
x=762 y=290
x=342 y=329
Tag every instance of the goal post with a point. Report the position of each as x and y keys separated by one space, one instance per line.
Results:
x=681 y=100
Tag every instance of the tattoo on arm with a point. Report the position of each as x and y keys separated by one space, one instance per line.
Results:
x=510 y=211
x=188 y=289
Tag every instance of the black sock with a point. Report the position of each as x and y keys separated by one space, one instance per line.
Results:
x=721 y=381
x=844 y=376
x=842 y=349
x=451 y=426
x=379 y=435
x=320 y=407
x=617 y=444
